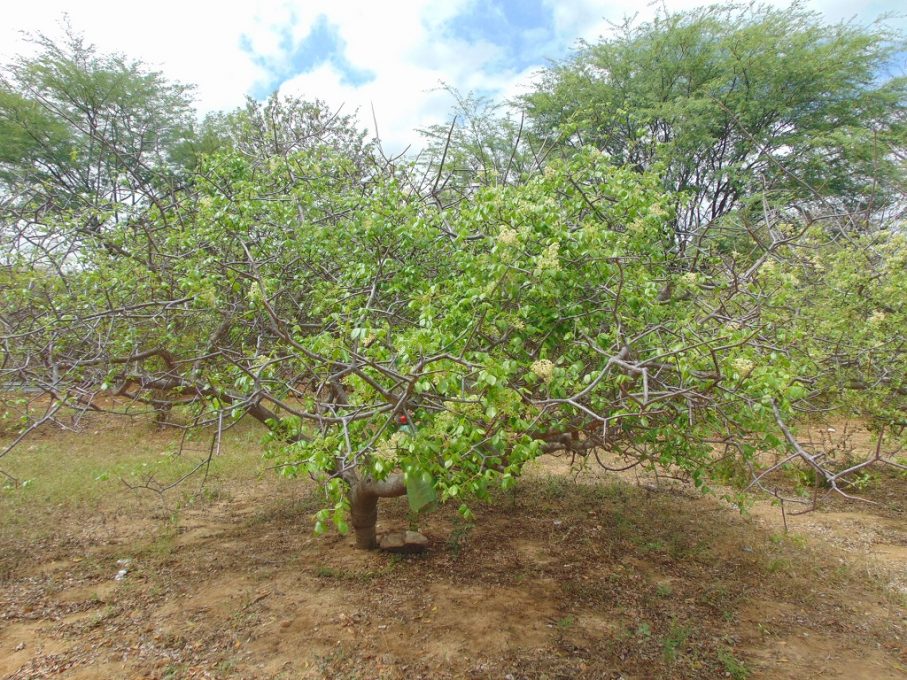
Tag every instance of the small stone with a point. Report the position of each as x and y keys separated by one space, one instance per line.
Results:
x=400 y=542
x=20 y=646
x=393 y=541
x=414 y=538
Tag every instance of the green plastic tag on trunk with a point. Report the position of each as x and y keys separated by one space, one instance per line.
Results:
x=420 y=491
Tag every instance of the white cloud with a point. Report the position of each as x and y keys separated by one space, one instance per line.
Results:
x=191 y=42
x=401 y=46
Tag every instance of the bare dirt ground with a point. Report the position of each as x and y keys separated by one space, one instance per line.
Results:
x=567 y=577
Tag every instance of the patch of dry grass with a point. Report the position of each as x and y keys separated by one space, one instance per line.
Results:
x=80 y=479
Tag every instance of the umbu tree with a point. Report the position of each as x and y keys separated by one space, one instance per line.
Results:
x=391 y=342
x=546 y=317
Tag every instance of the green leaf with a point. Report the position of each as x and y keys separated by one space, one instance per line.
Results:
x=420 y=492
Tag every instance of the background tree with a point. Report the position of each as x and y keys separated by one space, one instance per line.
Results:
x=714 y=98
x=484 y=144
x=278 y=127
x=84 y=131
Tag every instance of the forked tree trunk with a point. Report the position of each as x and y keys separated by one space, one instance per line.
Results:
x=364 y=495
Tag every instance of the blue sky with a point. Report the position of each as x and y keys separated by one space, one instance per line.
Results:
x=324 y=44
x=388 y=56
x=524 y=30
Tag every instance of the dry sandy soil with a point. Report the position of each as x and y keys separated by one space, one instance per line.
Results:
x=570 y=576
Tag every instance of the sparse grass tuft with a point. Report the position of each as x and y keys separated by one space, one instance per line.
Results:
x=674 y=642
x=458 y=535
x=733 y=667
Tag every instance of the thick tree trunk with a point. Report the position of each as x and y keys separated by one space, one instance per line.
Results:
x=364 y=516
x=364 y=495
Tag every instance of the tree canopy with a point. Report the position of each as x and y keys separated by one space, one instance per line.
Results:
x=279 y=126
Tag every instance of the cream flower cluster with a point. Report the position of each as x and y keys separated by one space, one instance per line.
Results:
x=743 y=366
x=508 y=236
x=657 y=210
x=690 y=278
x=877 y=317
x=544 y=369
x=387 y=449
x=549 y=260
